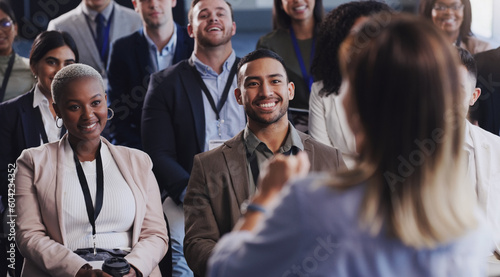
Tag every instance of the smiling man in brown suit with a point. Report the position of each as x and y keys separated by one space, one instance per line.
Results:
x=222 y=179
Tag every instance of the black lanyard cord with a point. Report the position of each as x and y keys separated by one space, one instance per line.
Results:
x=92 y=214
x=225 y=93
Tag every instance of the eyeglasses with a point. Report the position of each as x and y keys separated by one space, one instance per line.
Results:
x=6 y=24
x=442 y=8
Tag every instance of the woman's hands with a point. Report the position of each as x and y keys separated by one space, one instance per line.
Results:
x=87 y=271
x=279 y=170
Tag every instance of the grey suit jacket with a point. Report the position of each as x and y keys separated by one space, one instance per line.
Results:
x=125 y=21
x=219 y=184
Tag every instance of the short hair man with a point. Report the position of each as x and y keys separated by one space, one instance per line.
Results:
x=486 y=111
x=159 y=44
x=483 y=150
x=187 y=109
x=222 y=179
x=95 y=25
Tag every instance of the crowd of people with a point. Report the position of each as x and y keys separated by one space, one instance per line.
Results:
x=363 y=141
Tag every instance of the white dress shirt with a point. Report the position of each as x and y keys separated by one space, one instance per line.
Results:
x=49 y=122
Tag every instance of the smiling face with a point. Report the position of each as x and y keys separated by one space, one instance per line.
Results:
x=299 y=10
x=449 y=20
x=155 y=13
x=211 y=24
x=82 y=107
x=7 y=34
x=49 y=65
x=264 y=91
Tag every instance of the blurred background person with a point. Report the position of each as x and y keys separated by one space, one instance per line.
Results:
x=15 y=73
x=483 y=149
x=107 y=195
x=95 y=25
x=29 y=120
x=486 y=111
x=295 y=24
x=327 y=119
x=159 y=44
x=408 y=196
x=454 y=18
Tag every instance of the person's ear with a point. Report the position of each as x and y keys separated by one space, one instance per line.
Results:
x=291 y=90
x=174 y=3
x=190 y=30
x=475 y=96
x=56 y=109
x=237 y=94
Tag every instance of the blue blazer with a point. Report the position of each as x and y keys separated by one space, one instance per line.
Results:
x=173 y=125
x=21 y=128
x=128 y=74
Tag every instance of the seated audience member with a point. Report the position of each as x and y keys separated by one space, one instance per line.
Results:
x=295 y=24
x=15 y=73
x=160 y=44
x=483 y=150
x=29 y=120
x=454 y=18
x=189 y=109
x=224 y=178
x=95 y=25
x=327 y=120
x=83 y=192
x=403 y=209
x=486 y=111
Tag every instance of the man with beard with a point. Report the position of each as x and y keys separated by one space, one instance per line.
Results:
x=224 y=178
x=187 y=109
x=160 y=44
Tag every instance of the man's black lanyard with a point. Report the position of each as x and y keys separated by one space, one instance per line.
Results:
x=92 y=214
x=225 y=93
x=6 y=77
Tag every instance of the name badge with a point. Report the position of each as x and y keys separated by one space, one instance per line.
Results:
x=214 y=143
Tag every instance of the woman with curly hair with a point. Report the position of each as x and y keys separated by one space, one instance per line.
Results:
x=454 y=17
x=327 y=121
x=295 y=26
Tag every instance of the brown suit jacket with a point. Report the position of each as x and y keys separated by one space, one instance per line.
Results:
x=217 y=187
x=40 y=228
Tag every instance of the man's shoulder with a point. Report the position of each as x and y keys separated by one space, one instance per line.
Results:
x=229 y=145
x=484 y=136
x=127 y=44
x=172 y=72
x=65 y=18
x=318 y=146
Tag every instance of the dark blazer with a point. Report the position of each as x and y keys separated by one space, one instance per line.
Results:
x=173 y=126
x=129 y=69
x=21 y=128
x=487 y=109
x=219 y=184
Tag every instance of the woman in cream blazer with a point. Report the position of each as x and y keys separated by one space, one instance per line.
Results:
x=41 y=190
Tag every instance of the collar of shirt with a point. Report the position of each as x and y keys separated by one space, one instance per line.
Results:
x=91 y=14
x=170 y=47
x=207 y=70
x=39 y=99
x=252 y=143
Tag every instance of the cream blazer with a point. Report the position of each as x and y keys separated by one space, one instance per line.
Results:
x=40 y=230
x=487 y=161
x=328 y=123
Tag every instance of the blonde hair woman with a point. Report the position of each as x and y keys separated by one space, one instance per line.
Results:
x=405 y=209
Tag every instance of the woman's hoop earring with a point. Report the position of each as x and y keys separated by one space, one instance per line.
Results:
x=57 y=119
x=112 y=114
